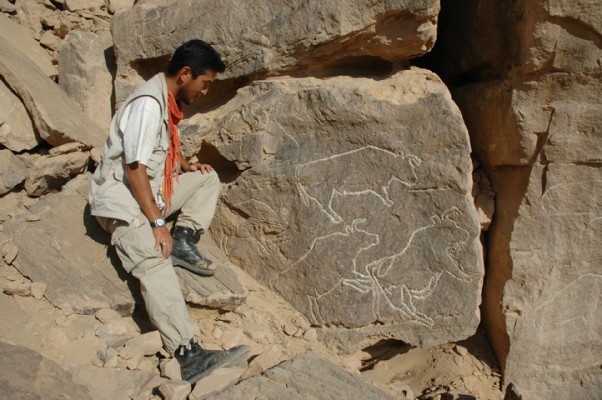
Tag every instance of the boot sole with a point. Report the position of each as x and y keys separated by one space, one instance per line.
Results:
x=178 y=262
x=234 y=356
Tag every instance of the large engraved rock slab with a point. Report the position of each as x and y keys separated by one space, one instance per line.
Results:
x=354 y=204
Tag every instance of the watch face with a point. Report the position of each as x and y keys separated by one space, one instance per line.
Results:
x=159 y=222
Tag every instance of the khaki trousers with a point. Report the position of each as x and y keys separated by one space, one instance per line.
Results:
x=195 y=195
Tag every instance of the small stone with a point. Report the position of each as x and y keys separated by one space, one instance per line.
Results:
x=458 y=360
x=217 y=333
x=127 y=353
x=170 y=369
x=463 y=351
x=17 y=288
x=147 y=364
x=10 y=252
x=32 y=218
x=115 y=327
x=175 y=390
x=290 y=329
x=216 y=382
x=10 y=273
x=60 y=320
x=264 y=361
x=106 y=314
x=310 y=335
x=148 y=344
x=38 y=289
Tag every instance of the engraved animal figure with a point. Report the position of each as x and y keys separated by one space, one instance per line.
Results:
x=368 y=169
x=329 y=263
x=412 y=274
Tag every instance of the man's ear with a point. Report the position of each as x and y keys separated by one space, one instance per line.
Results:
x=184 y=74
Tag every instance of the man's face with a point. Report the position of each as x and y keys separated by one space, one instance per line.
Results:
x=193 y=88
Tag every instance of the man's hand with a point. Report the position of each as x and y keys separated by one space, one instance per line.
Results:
x=201 y=167
x=185 y=166
x=163 y=240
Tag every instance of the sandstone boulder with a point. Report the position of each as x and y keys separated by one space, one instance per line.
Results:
x=50 y=173
x=115 y=383
x=22 y=38
x=28 y=375
x=355 y=204
x=536 y=130
x=86 y=65
x=12 y=171
x=16 y=129
x=273 y=37
x=57 y=118
x=306 y=377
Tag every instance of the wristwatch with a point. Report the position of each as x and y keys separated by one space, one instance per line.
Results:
x=159 y=222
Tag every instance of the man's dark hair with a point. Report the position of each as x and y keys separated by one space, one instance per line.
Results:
x=197 y=55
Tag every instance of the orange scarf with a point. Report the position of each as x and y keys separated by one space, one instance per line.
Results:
x=172 y=163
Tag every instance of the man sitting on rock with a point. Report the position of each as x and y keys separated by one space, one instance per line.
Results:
x=139 y=183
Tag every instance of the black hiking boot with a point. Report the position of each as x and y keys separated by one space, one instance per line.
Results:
x=196 y=362
x=186 y=255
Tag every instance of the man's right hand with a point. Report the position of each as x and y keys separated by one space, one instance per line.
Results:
x=163 y=240
x=140 y=184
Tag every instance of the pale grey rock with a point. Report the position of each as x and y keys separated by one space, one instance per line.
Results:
x=16 y=129
x=9 y=253
x=84 y=351
x=56 y=117
x=353 y=205
x=115 y=327
x=7 y=7
x=17 y=288
x=148 y=343
x=110 y=383
x=271 y=357
x=307 y=376
x=78 y=5
x=38 y=289
x=175 y=390
x=52 y=172
x=275 y=37
x=86 y=68
x=28 y=375
x=117 y=6
x=12 y=171
x=51 y=41
x=106 y=314
x=170 y=369
x=22 y=38
x=216 y=382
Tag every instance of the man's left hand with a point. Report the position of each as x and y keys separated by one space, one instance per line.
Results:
x=201 y=167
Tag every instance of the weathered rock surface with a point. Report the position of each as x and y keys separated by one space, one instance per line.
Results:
x=22 y=38
x=70 y=255
x=28 y=375
x=537 y=130
x=50 y=173
x=113 y=383
x=86 y=67
x=355 y=204
x=272 y=37
x=57 y=118
x=12 y=171
x=16 y=129
x=306 y=377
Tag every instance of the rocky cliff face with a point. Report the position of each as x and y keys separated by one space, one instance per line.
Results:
x=349 y=188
